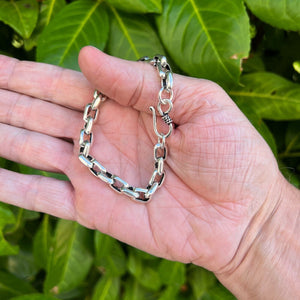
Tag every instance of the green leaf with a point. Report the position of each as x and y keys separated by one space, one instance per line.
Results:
x=169 y=293
x=81 y=23
x=219 y=292
x=132 y=37
x=134 y=291
x=292 y=139
x=22 y=265
x=109 y=257
x=48 y=9
x=200 y=280
x=144 y=274
x=270 y=96
x=42 y=244
x=107 y=288
x=283 y=14
x=254 y=63
x=28 y=170
x=137 y=6
x=144 y=255
x=70 y=258
x=172 y=273
x=290 y=174
x=6 y=217
x=206 y=38
x=11 y=286
x=21 y=15
x=35 y=297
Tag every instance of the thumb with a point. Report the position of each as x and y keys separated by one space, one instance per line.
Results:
x=127 y=82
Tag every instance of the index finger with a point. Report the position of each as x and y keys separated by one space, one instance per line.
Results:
x=47 y=82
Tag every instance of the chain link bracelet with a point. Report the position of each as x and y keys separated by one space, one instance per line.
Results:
x=165 y=97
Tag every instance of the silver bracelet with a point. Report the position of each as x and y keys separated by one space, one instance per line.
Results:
x=165 y=97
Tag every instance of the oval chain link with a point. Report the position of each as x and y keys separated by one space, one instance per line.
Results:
x=91 y=111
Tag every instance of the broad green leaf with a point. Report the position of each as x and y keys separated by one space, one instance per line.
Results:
x=6 y=217
x=144 y=255
x=137 y=6
x=28 y=170
x=109 y=256
x=22 y=265
x=134 y=291
x=169 y=293
x=200 y=280
x=81 y=23
x=146 y=275
x=11 y=286
x=269 y=95
x=283 y=14
x=132 y=37
x=21 y=15
x=70 y=258
x=206 y=38
x=35 y=297
x=219 y=292
x=107 y=288
x=48 y=9
x=290 y=174
x=29 y=215
x=292 y=139
x=172 y=273
x=42 y=244
x=252 y=64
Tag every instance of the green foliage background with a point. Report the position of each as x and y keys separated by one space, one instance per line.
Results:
x=251 y=48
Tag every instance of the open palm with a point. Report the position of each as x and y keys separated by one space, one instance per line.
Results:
x=219 y=170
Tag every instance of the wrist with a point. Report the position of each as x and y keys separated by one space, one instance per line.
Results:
x=267 y=262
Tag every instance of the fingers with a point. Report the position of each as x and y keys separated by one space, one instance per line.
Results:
x=41 y=116
x=38 y=193
x=129 y=83
x=34 y=149
x=43 y=81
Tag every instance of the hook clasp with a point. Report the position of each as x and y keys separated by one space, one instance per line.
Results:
x=166 y=118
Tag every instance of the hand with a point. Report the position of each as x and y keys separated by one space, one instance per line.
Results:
x=220 y=174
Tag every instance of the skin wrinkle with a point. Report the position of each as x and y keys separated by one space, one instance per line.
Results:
x=37 y=115
x=9 y=115
x=7 y=84
x=232 y=266
x=138 y=91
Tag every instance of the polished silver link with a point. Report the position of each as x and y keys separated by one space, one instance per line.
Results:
x=154 y=177
x=130 y=193
x=86 y=160
x=82 y=138
x=106 y=178
x=85 y=148
x=91 y=111
x=160 y=166
x=152 y=189
x=157 y=147
x=88 y=125
x=164 y=102
x=97 y=168
x=123 y=184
